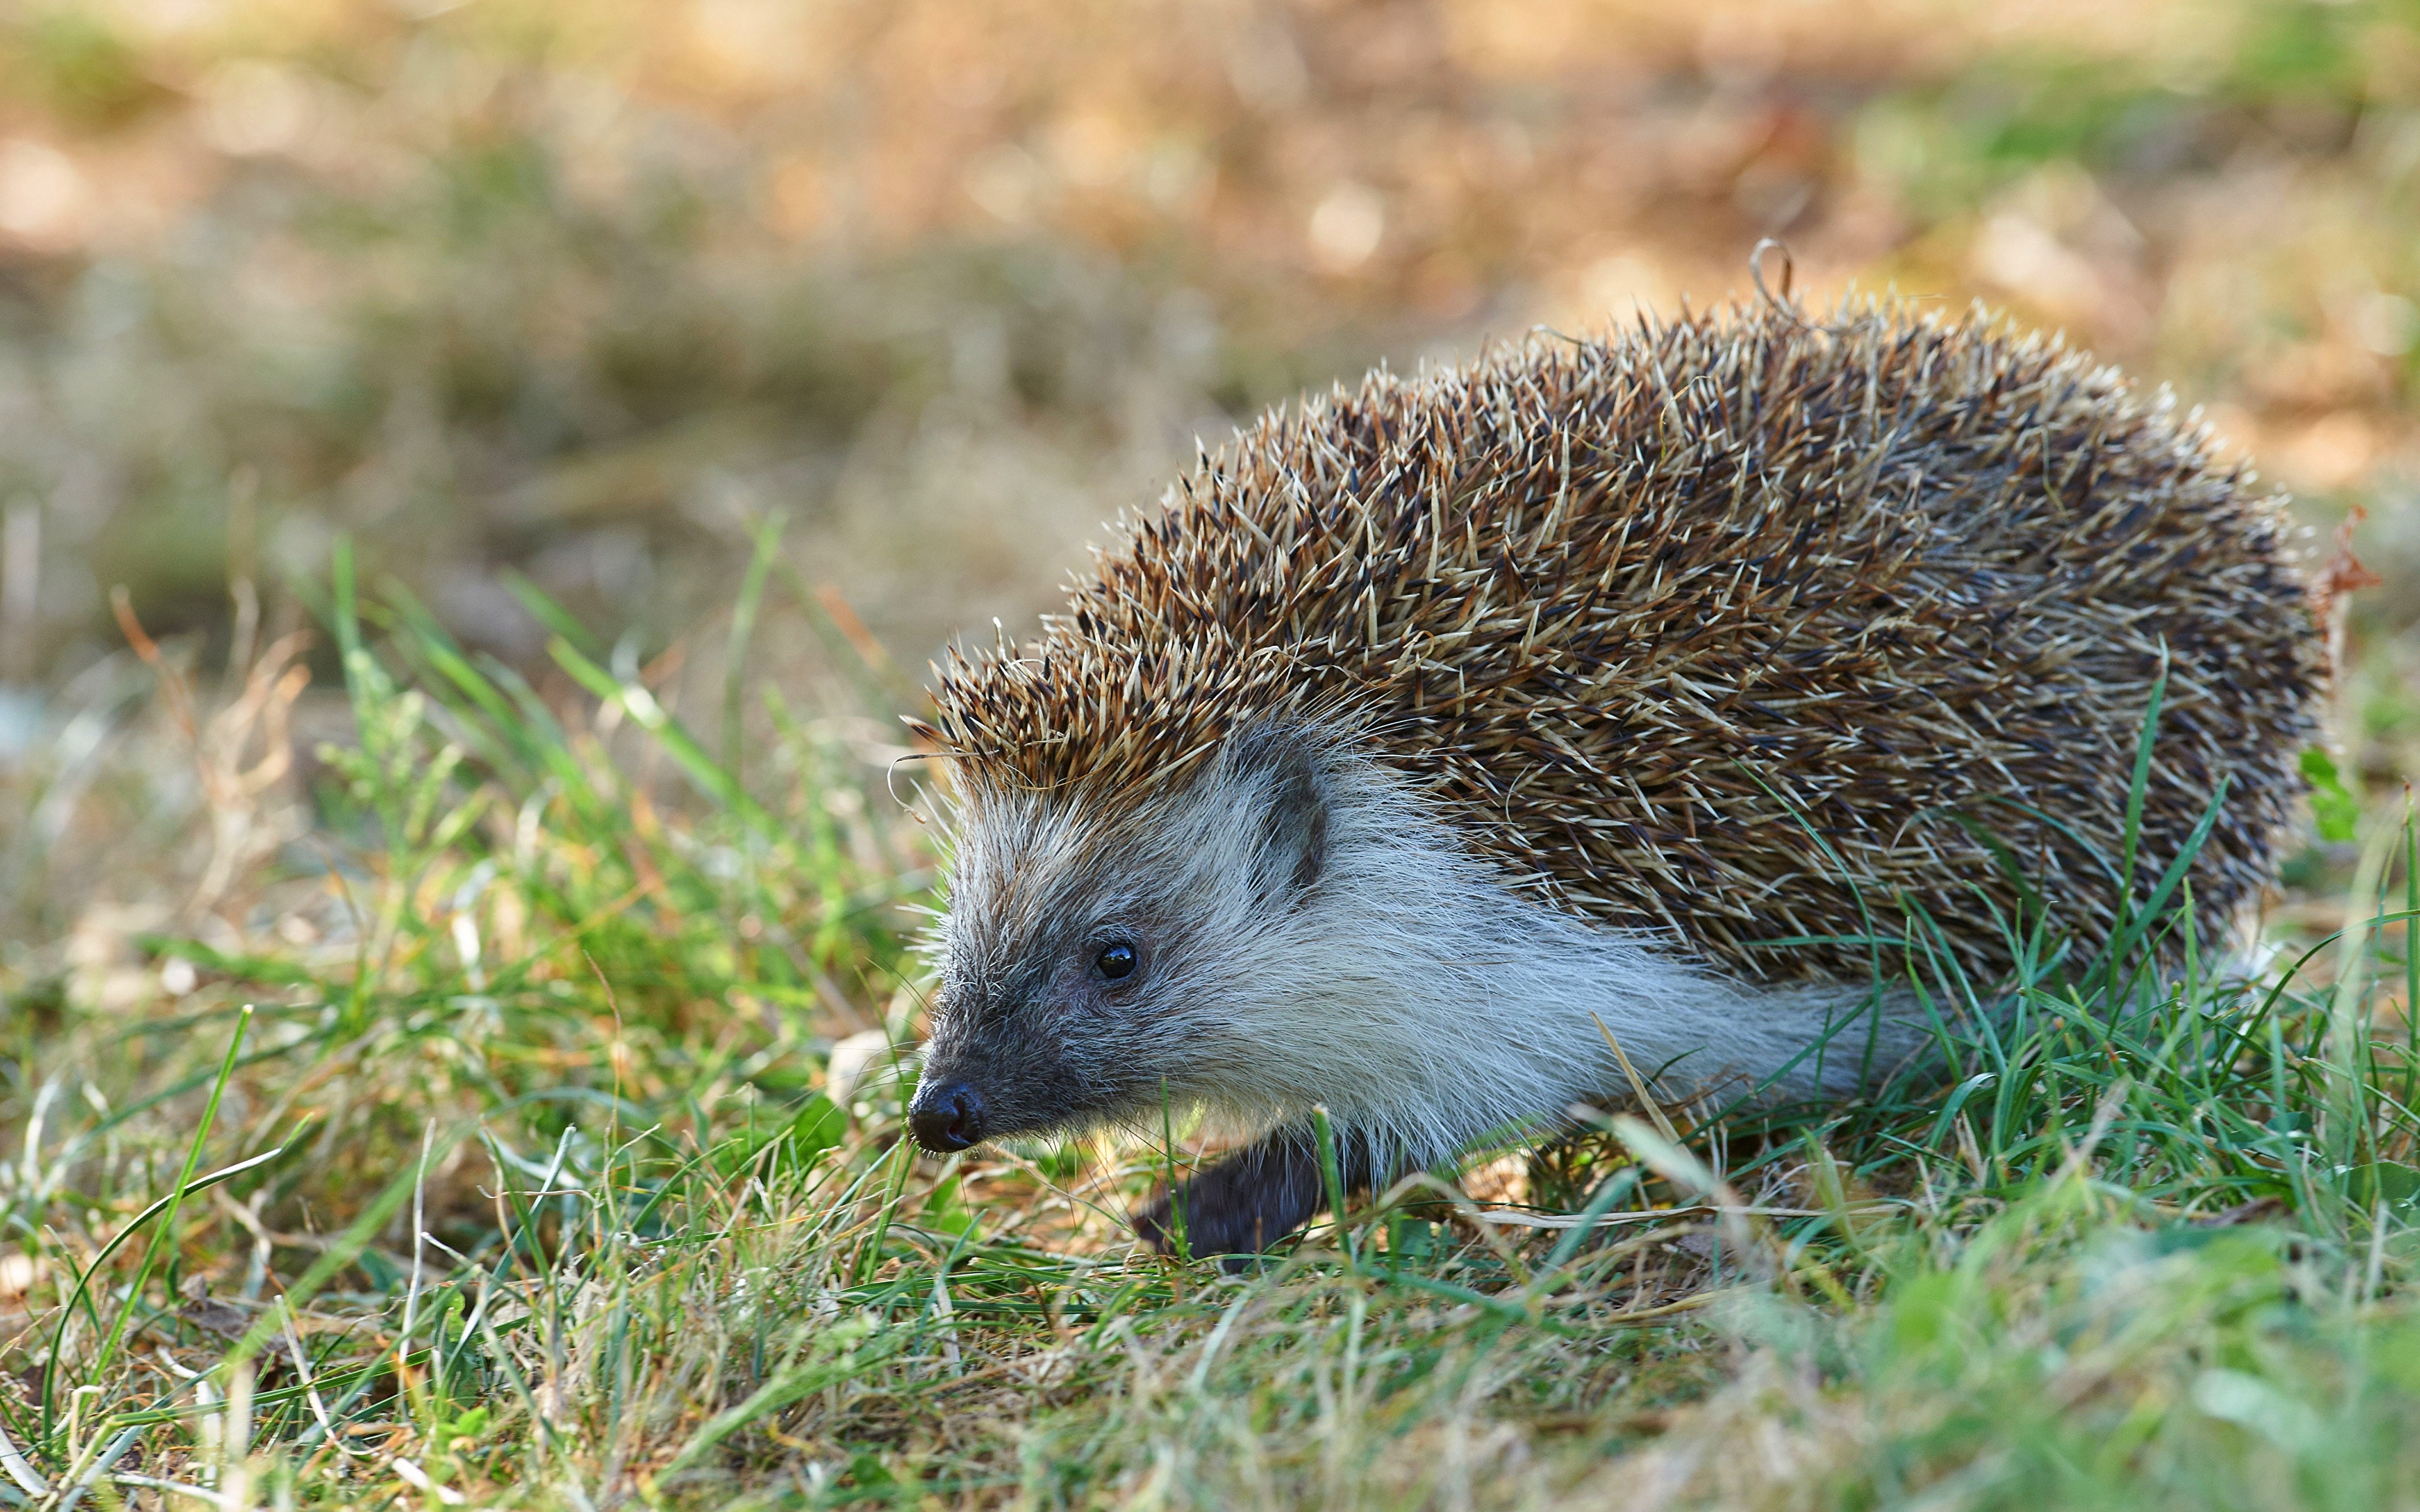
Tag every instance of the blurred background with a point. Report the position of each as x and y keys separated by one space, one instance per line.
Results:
x=589 y=296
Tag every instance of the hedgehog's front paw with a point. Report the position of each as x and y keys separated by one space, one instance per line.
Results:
x=1215 y=1225
x=1240 y=1206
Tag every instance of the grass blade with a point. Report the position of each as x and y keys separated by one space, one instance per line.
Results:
x=161 y=1236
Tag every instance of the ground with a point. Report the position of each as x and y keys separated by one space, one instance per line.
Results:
x=456 y=905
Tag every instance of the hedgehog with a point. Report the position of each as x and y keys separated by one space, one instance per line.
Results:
x=1594 y=720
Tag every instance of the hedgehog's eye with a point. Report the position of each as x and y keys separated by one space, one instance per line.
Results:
x=1116 y=960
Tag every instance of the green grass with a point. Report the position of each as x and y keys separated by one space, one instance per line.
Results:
x=489 y=1157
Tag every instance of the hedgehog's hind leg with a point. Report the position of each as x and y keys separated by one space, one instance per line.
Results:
x=1255 y=1198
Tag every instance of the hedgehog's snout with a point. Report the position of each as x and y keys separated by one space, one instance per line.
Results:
x=946 y=1118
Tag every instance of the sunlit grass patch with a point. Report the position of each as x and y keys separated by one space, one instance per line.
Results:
x=532 y=1136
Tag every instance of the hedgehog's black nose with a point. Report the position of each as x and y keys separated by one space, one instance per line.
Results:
x=946 y=1118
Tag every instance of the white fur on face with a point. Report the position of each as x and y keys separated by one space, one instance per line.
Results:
x=1413 y=992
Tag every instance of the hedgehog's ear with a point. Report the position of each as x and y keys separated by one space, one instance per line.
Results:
x=1283 y=771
